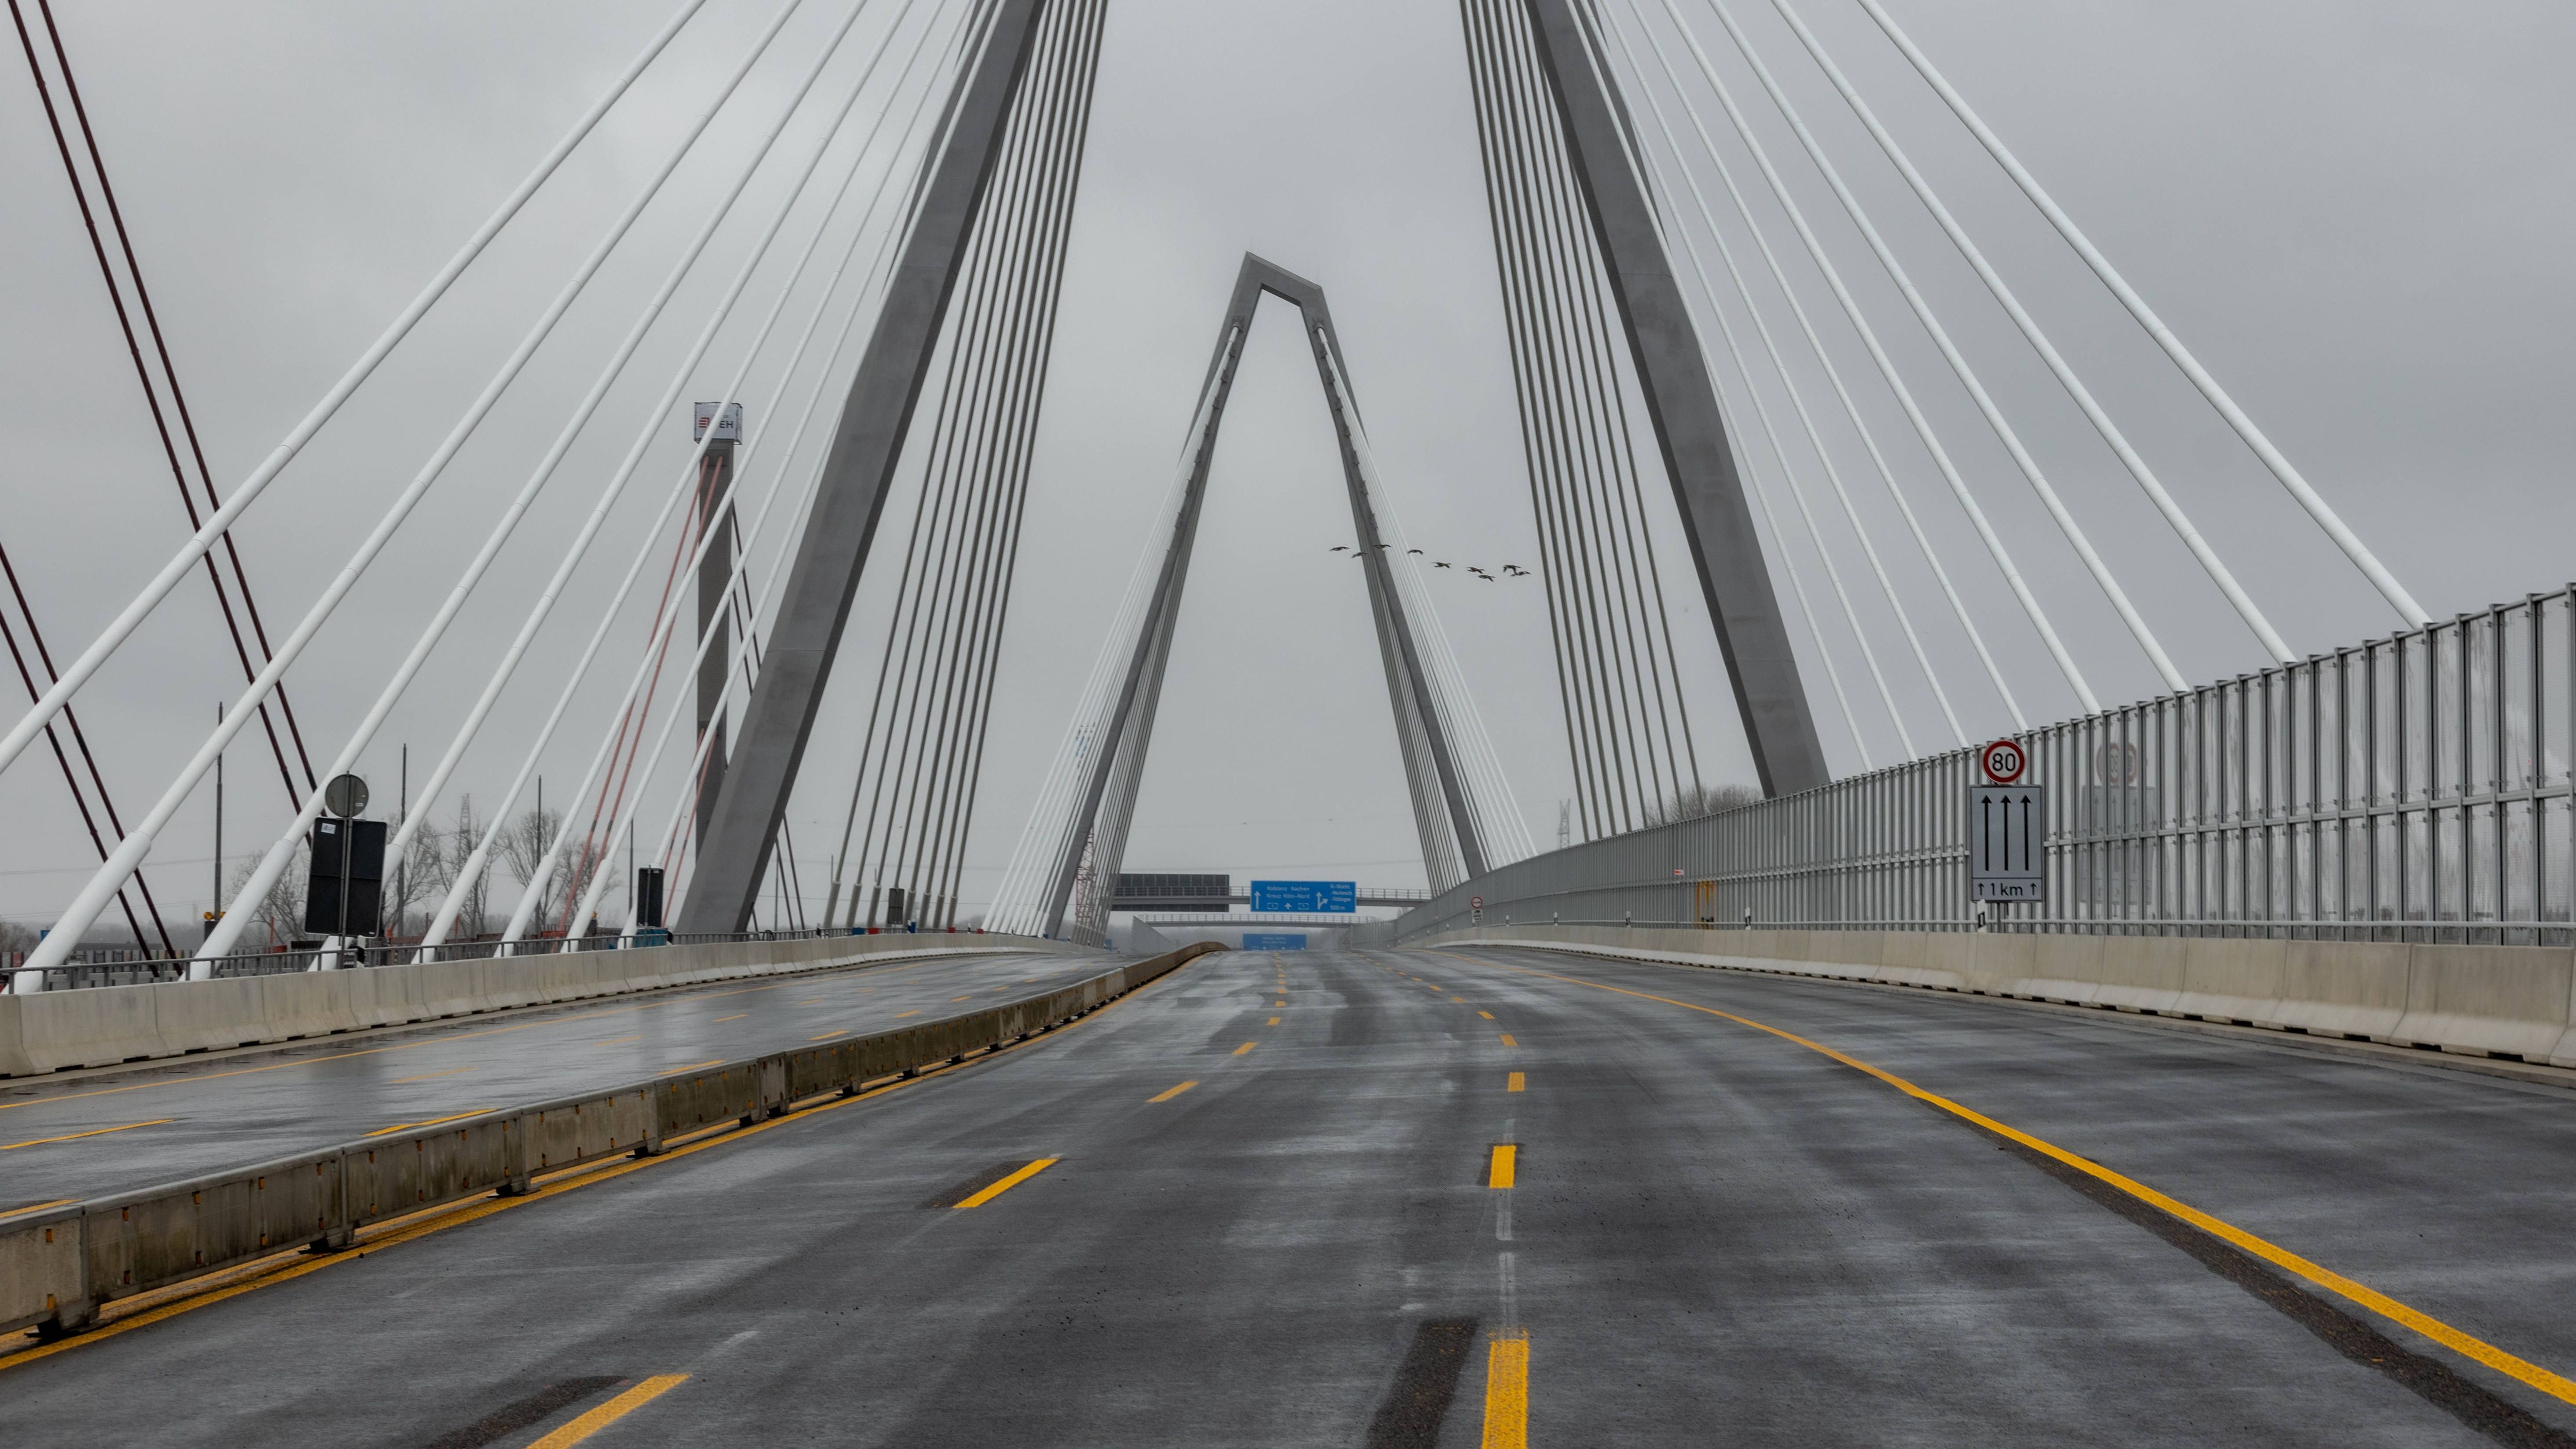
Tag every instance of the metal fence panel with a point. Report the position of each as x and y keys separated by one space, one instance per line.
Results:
x=2414 y=788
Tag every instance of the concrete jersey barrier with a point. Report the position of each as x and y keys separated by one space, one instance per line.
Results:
x=102 y=1026
x=57 y=1268
x=2491 y=1001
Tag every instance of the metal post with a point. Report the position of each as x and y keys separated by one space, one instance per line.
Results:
x=1672 y=374
x=715 y=579
x=867 y=445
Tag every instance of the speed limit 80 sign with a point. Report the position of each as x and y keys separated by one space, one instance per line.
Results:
x=2003 y=762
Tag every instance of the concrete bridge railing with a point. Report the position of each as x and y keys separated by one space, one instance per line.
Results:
x=51 y=1030
x=2516 y=1002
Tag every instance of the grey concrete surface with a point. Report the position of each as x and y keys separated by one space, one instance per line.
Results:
x=242 y=1109
x=1716 y=1236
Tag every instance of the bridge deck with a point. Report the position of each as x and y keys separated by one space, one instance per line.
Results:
x=1714 y=1234
x=166 y=1124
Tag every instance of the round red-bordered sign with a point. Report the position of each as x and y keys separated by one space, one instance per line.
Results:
x=2003 y=761
x=1475 y=903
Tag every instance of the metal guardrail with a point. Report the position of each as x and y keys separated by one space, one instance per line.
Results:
x=148 y=970
x=2416 y=788
x=59 y=1267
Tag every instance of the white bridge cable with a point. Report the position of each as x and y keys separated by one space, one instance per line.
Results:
x=221 y=520
x=279 y=855
x=2110 y=432
x=542 y=875
x=1815 y=442
x=1761 y=497
x=1958 y=487
x=1986 y=407
x=1489 y=792
x=228 y=931
x=2271 y=456
x=1887 y=370
x=1833 y=375
x=1019 y=902
x=890 y=246
x=138 y=844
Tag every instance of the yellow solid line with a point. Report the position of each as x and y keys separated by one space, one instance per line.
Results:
x=286 y=1267
x=737 y=1016
x=1506 y=1157
x=432 y=1122
x=1012 y=1181
x=2555 y=1385
x=1487 y=1015
x=1174 y=1092
x=1247 y=1046
x=1516 y=1083
x=37 y=1207
x=1507 y=1393
x=431 y=1076
x=610 y=1412
x=95 y=1132
x=1507 y=1040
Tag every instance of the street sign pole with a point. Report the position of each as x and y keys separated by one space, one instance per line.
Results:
x=2007 y=830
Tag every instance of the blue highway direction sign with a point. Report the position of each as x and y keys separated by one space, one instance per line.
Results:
x=1321 y=896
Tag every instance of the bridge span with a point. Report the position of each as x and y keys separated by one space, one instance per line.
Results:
x=1439 y=1195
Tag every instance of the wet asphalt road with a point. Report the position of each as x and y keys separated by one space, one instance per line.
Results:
x=1711 y=1235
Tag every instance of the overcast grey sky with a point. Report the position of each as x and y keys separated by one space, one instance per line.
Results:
x=2355 y=213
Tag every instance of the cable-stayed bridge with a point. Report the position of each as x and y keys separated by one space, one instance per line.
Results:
x=2300 y=913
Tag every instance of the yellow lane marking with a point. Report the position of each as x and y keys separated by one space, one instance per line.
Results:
x=817 y=1001
x=1487 y=1015
x=1516 y=1082
x=610 y=1412
x=737 y=1016
x=430 y=1076
x=619 y=1040
x=1463 y=1001
x=1506 y=1160
x=434 y=1040
x=148 y=1309
x=1168 y=1095
x=827 y=1036
x=1247 y=1046
x=2555 y=1385
x=693 y=1066
x=1004 y=987
x=1012 y=1181
x=1274 y=1021
x=93 y=1132
x=900 y=1015
x=1507 y=1392
x=1507 y=1040
x=432 y=1122
x=37 y=1207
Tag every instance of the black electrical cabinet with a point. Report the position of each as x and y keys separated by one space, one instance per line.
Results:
x=344 y=895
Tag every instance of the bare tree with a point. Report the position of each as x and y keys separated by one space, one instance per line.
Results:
x=14 y=939
x=1694 y=801
x=453 y=854
x=280 y=914
x=411 y=879
x=523 y=849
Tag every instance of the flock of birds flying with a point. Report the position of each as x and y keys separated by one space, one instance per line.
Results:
x=1509 y=570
